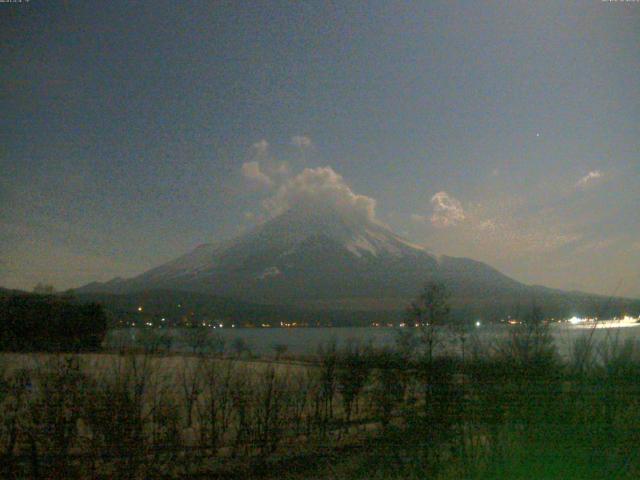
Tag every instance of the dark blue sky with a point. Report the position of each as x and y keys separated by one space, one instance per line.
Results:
x=508 y=132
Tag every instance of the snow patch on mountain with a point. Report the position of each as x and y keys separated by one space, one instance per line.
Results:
x=378 y=240
x=203 y=257
x=359 y=243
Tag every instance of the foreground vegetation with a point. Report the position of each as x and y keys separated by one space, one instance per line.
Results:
x=510 y=410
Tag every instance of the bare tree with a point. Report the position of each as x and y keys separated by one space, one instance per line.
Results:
x=461 y=327
x=189 y=379
x=328 y=365
x=117 y=414
x=407 y=342
x=301 y=383
x=354 y=365
x=388 y=390
x=530 y=341
x=58 y=393
x=216 y=405
x=269 y=412
x=430 y=311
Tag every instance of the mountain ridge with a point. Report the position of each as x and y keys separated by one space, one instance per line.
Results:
x=325 y=257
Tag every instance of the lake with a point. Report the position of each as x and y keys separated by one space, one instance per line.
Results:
x=300 y=341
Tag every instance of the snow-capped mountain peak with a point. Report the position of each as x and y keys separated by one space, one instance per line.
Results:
x=359 y=236
x=308 y=254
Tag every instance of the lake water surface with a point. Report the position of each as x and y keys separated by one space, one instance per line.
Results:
x=300 y=341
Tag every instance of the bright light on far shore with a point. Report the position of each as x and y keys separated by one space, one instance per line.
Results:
x=625 y=321
x=478 y=323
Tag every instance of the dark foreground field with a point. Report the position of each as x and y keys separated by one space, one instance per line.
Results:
x=512 y=410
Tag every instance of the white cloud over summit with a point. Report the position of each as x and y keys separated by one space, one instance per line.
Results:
x=263 y=169
x=319 y=188
x=314 y=188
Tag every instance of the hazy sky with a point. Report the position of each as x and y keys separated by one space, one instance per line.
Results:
x=508 y=132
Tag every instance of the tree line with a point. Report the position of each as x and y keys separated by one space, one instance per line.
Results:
x=35 y=322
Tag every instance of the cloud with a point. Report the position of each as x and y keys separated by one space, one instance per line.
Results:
x=252 y=171
x=447 y=211
x=321 y=188
x=588 y=178
x=498 y=228
x=301 y=141
x=261 y=148
x=314 y=188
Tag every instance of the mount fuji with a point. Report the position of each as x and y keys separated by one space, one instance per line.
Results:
x=321 y=258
